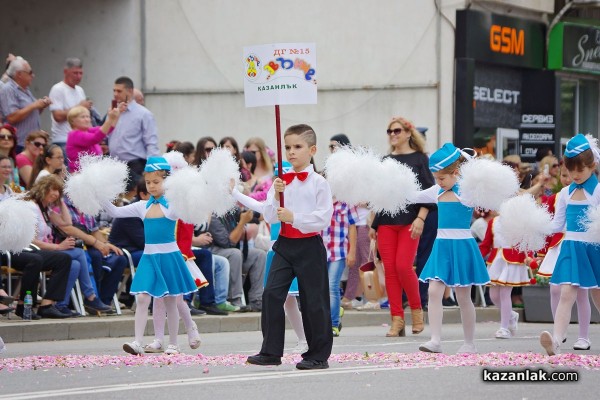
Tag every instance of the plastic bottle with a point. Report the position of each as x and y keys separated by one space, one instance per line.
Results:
x=27 y=306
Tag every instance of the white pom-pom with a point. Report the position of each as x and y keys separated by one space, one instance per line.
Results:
x=591 y=223
x=17 y=225
x=175 y=160
x=486 y=183
x=186 y=190
x=396 y=184
x=594 y=146
x=525 y=225
x=100 y=180
x=218 y=171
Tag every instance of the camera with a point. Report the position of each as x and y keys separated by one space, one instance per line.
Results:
x=79 y=243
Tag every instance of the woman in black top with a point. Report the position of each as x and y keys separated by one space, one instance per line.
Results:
x=398 y=236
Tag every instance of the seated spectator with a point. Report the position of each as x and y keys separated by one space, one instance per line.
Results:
x=34 y=146
x=188 y=151
x=255 y=188
x=212 y=298
x=203 y=148
x=229 y=240
x=85 y=138
x=52 y=213
x=32 y=262
x=231 y=144
x=51 y=161
x=8 y=142
x=264 y=166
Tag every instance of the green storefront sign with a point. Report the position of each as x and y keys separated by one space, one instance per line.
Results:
x=574 y=47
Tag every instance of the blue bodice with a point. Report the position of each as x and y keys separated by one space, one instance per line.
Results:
x=454 y=215
x=574 y=214
x=159 y=230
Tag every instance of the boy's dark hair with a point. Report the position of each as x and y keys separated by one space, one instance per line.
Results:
x=125 y=81
x=543 y=152
x=141 y=187
x=249 y=158
x=185 y=148
x=580 y=161
x=305 y=131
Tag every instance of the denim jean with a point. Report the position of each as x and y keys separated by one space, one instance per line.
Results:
x=107 y=283
x=221 y=274
x=206 y=295
x=335 y=269
x=79 y=270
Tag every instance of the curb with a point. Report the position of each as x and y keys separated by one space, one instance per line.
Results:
x=14 y=331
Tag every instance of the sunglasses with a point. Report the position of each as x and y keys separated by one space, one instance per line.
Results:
x=38 y=144
x=6 y=137
x=396 y=131
x=332 y=147
x=555 y=165
x=208 y=149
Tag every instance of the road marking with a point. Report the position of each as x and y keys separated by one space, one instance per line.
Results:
x=197 y=381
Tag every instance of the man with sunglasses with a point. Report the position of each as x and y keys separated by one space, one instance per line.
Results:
x=19 y=107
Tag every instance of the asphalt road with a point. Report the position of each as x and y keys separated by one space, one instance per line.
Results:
x=365 y=365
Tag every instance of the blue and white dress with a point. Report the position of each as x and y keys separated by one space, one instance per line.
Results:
x=455 y=258
x=162 y=270
x=578 y=262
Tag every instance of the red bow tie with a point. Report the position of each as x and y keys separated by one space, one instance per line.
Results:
x=289 y=177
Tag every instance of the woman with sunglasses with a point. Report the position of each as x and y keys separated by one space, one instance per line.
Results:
x=550 y=165
x=34 y=146
x=204 y=146
x=51 y=161
x=398 y=236
x=8 y=140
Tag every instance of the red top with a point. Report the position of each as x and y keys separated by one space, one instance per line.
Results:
x=184 y=233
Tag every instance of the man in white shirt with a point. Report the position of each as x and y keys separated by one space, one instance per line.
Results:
x=65 y=95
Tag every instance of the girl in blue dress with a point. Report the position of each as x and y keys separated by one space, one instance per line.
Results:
x=455 y=259
x=162 y=271
x=578 y=263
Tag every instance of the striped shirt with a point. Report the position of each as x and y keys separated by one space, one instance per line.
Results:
x=335 y=236
x=13 y=98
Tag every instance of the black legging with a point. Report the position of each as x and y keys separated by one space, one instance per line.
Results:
x=31 y=263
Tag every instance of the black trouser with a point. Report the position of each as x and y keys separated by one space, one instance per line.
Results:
x=305 y=259
x=107 y=283
x=32 y=263
x=424 y=250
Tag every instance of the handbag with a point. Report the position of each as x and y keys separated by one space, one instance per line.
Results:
x=372 y=276
x=263 y=237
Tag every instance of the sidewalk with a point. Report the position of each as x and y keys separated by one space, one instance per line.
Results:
x=15 y=330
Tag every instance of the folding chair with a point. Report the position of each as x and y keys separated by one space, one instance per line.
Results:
x=128 y=271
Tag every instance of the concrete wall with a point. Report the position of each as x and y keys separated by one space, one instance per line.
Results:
x=104 y=34
x=375 y=59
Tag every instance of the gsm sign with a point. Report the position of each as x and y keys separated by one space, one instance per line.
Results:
x=504 y=39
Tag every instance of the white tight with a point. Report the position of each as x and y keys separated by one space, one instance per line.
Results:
x=294 y=316
x=500 y=296
x=170 y=307
x=584 y=310
x=435 y=311
x=141 y=316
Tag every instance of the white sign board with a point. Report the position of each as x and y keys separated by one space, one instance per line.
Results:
x=282 y=73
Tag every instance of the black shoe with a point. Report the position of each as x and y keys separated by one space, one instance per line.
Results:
x=448 y=302
x=261 y=359
x=7 y=310
x=96 y=306
x=67 y=310
x=212 y=310
x=312 y=364
x=51 y=312
x=197 y=312
x=6 y=300
x=19 y=313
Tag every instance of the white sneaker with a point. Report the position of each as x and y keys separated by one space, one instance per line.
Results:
x=582 y=344
x=133 y=348
x=172 y=349
x=513 y=323
x=431 y=347
x=503 y=333
x=301 y=347
x=194 y=337
x=551 y=346
x=154 y=347
x=468 y=348
x=357 y=303
x=369 y=306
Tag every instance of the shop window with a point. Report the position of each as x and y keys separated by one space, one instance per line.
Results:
x=579 y=106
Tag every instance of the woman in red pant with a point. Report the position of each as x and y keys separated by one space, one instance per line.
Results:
x=398 y=236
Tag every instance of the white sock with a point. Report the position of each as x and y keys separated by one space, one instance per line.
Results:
x=568 y=294
x=435 y=311
x=294 y=316
x=172 y=318
x=467 y=312
x=141 y=316
x=159 y=315
x=584 y=312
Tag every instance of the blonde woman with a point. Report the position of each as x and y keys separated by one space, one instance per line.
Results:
x=264 y=167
